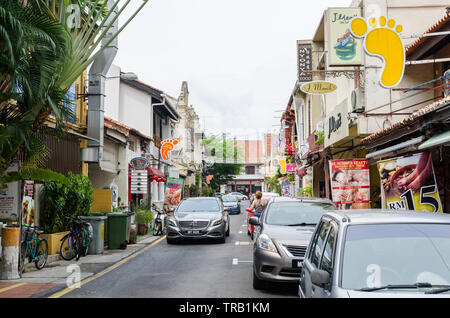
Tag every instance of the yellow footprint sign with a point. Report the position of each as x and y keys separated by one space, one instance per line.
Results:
x=383 y=40
x=282 y=163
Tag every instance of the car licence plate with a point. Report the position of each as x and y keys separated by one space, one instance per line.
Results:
x=297 y=263
x=192 y=232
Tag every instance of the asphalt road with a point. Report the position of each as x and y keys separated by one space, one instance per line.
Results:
x=188 y=270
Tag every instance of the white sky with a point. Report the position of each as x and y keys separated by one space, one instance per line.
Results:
x=238 y=56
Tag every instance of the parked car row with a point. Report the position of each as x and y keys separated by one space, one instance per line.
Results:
x=352 y=253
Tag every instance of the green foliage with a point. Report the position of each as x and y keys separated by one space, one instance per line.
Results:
x=223 y=149
x=208 y=191
x=223 y=173
x=320 y=137
x=73 y=198
x=305 y=192
x=274 y=182
x=143 y=216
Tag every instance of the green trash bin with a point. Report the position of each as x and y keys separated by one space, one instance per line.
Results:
x=97 y=221
x=117 y=230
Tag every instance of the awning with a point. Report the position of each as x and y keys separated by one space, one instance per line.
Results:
x=155 y=172
x=435 y=141
x=402 y=145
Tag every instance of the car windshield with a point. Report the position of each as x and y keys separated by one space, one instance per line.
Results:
x=383 y=254
x=295 y=213
x=199 y=205
x=229 y=198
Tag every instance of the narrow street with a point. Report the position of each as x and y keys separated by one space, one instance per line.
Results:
x=188 y=270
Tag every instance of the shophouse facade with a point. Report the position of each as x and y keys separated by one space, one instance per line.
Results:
x=362 y=105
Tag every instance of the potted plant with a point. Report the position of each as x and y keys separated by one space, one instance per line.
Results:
x=61 y=200
x=143 y=218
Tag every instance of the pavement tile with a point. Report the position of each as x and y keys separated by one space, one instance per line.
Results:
x=24 y=290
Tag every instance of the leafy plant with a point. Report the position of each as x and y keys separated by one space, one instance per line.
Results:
x=73 y=198
x=305 y=192
x=143 y=216
x=320 y=137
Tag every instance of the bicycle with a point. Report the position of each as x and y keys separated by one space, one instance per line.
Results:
x=76 y=243
x=34 y=248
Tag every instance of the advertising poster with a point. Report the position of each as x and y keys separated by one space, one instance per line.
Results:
x=10 y=199
x=350 y=183
x=174 y=190
x=285 y=186
x=343 y=48
x=409 y=183
x=28 y=203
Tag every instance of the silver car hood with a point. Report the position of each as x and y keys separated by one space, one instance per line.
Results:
x=181 y=216
x=394 y=294
x=289 y=234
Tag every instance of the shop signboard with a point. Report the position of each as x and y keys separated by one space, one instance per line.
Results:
x=139 y=175
x=304 y=61
x=350 y=183
x=336 y=124
x=291 y=168
x=28 y=212
x=174 y=191
x=409 y=183
x=9 y=198
x=343 y=48
x=318 y=87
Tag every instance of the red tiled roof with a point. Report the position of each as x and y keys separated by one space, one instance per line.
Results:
x=122 y=128
x=408 y=120
x=438 y=25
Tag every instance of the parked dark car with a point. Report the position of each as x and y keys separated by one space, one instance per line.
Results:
x=282 y=234
x=232 y=202
x=199 y=218
x=375 y=253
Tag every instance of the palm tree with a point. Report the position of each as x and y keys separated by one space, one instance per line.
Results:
x=40 y=57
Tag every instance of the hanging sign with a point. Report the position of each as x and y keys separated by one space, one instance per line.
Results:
x=304 y=60
x=285 y=186
x=139 y=181
x=343 y=49
x=139 y=163
x=291 y=168
x=318 y=87
x=350 y=183
x=409 y=183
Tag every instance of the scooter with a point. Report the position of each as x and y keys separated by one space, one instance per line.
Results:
x=159 y=224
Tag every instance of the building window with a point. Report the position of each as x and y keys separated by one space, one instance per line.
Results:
x=250 y=170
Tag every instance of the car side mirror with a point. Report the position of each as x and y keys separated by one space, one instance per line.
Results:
x=172 y=209
x=254 y=221
x=320 y=278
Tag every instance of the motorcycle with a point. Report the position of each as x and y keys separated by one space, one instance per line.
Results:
x=159 y=224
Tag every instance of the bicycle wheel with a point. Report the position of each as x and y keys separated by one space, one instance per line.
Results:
x=80 y=247
x=69 y=247
x=23 y=248
x=41 y=254
x=86 y=242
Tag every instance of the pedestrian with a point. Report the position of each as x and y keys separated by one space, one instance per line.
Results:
x=258 y=204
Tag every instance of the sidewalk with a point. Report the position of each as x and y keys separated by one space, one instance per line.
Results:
x=52 y=278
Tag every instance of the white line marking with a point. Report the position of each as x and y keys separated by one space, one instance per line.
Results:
x=237 y=243
x=235 y=261
x=240 y=232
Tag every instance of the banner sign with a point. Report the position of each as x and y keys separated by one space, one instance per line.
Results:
x=350 y=183
x=343 y=48
x=409 y=183
x=291 y=168
x=318 y=87
x=285 y=186
x=304 y=59
x=174 y=191
x=28 y=203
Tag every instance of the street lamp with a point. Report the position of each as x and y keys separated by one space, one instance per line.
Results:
x=127 y=76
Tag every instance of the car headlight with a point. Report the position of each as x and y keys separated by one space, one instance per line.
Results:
x=264 y=242
x=172 y=222
x=217 y=222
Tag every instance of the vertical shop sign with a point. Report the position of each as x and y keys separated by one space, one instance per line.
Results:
x=28 y=212
x=409 y=183
x=350 y=183
x=343 y=48
x=139 y=175
x=174 y=191
x=285 y=186
x=304 y=60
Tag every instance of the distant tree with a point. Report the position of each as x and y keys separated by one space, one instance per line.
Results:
x=223 y=173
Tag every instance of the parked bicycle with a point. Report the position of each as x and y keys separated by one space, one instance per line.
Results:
x=34 y=248
x=76 y=243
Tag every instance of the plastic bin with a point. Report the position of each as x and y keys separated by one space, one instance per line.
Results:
x=117 y=230
x=130 y=214
x=97 y=222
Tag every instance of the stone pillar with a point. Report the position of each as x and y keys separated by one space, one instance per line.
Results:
x=10 y=253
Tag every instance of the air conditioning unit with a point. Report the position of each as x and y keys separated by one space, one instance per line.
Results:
x=358 y=101
x=447 y=83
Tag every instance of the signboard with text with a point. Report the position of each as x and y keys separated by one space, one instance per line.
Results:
x=9 y=198
x=409 y=183
x=350 y=183
x=336 y=124
x=304 y=61
x=343 y=48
